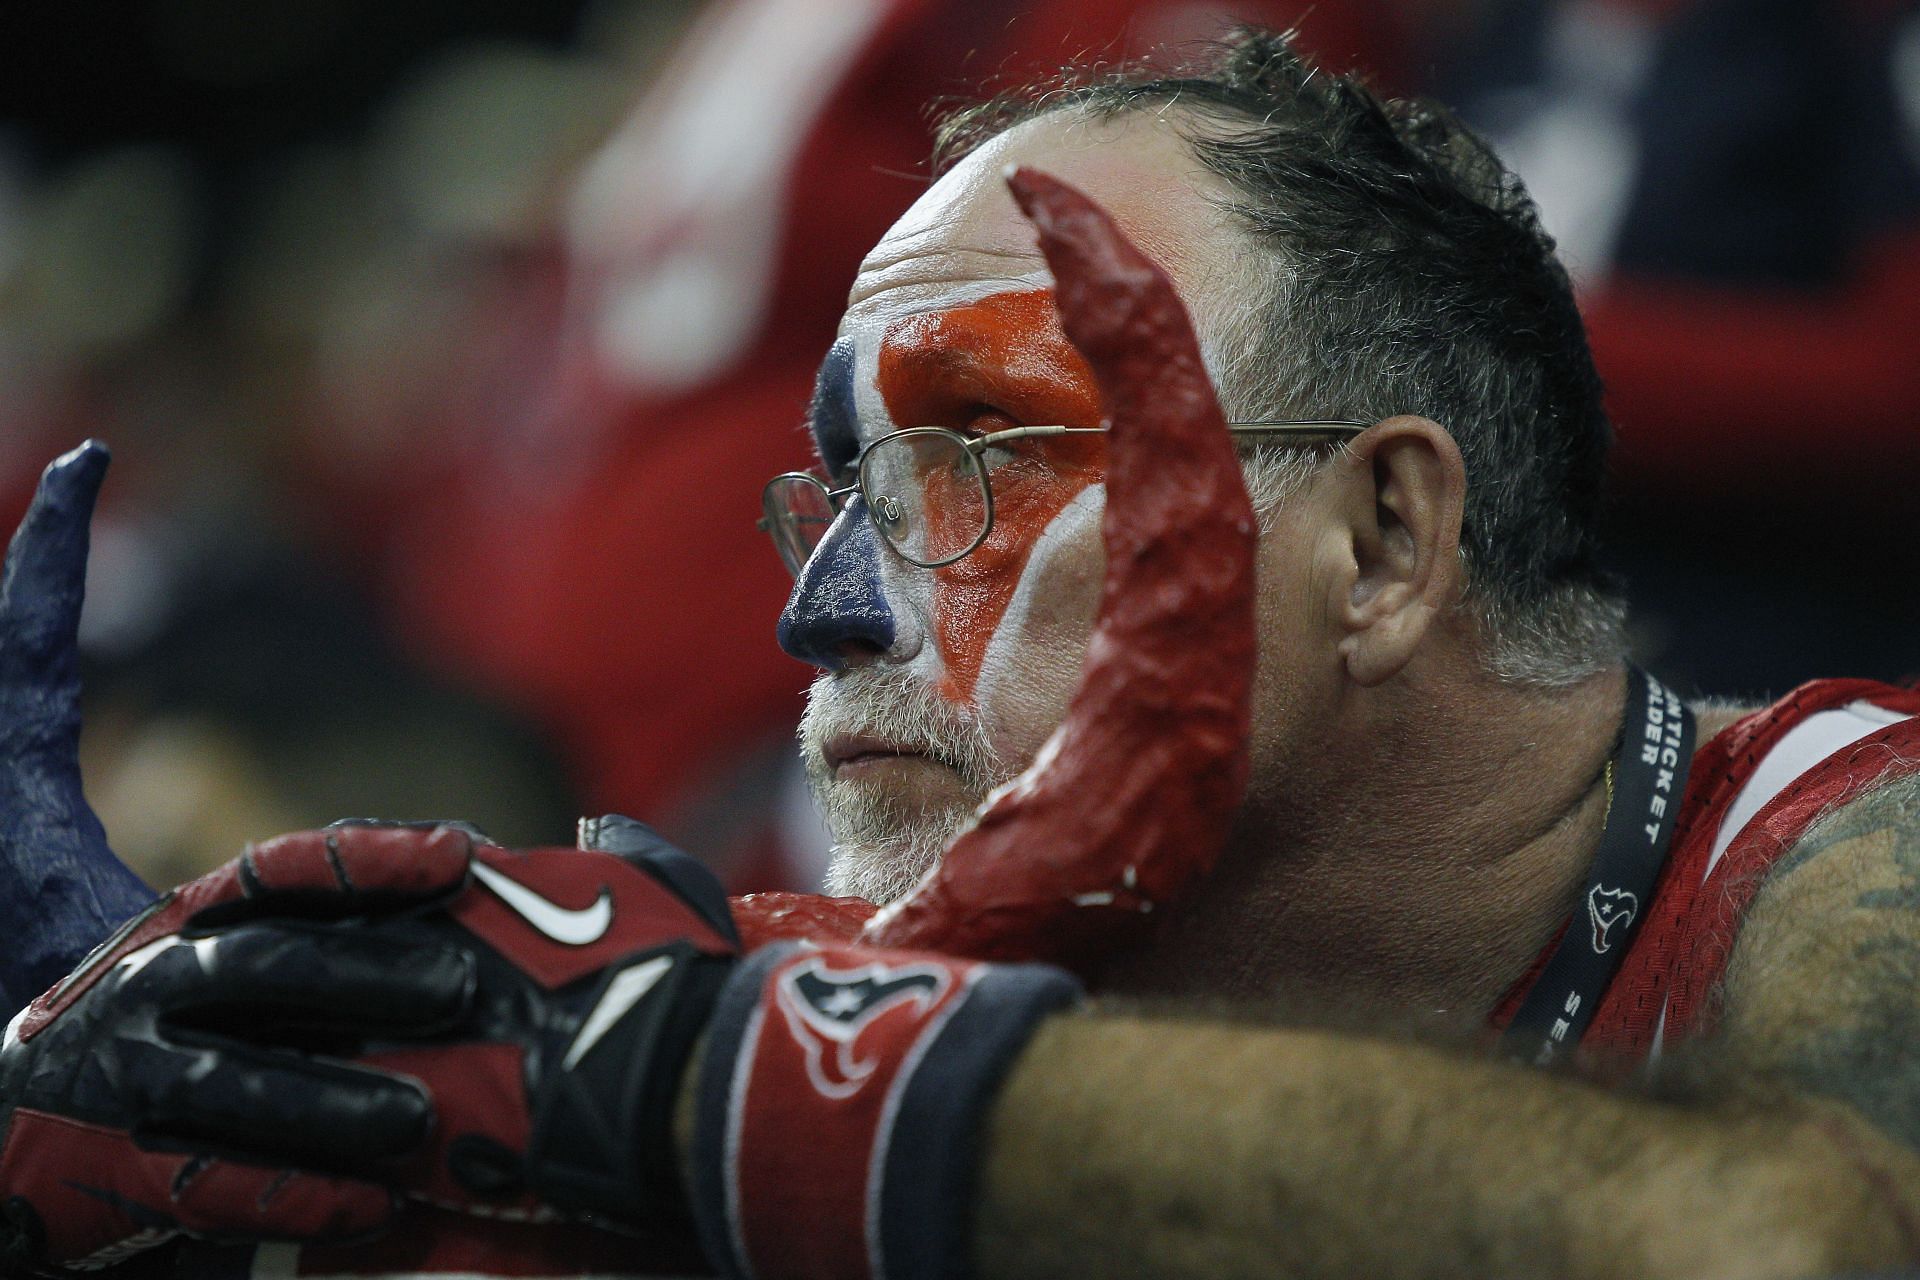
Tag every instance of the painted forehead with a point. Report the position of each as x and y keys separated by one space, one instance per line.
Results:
x=989 y=348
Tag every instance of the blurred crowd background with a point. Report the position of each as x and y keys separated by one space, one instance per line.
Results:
x=444 y=345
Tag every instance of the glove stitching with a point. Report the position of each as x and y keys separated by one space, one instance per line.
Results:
x=264 y=1200
x=339 y=865
x=248 y=873
x=189 y=1171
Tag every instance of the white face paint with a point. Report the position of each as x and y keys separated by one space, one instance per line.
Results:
x=891 y=822
x=910 y=590
x=952 y=324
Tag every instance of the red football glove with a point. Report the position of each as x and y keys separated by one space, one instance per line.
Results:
x=596 y=974
x=838 y=1108
x=516 y=1052
x=120 y=1108
x=251 y=1062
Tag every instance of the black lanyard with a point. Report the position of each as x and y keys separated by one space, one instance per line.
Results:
x=1649 y=776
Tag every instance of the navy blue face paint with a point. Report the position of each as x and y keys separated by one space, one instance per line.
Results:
x=832 y=416
x=61 y=888
x=838 y=610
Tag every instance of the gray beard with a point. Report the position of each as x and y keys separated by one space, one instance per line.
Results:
x=884 y=846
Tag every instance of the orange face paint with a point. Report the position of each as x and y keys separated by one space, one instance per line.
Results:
x=983 y=367
x=1137 y=800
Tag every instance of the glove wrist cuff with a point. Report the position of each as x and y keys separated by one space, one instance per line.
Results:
x=840 y=1106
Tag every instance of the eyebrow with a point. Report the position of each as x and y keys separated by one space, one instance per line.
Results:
x=831 y=415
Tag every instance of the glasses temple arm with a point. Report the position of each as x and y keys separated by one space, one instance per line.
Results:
x=977 y=443
x=1300 y=426
x=1304 y=426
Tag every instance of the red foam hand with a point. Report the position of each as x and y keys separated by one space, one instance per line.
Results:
x=1132 y=799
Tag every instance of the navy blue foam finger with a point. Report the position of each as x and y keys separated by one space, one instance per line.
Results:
x=45 y=580
x=61 y=888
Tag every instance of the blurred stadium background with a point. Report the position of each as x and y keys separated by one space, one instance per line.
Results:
x=444 y=346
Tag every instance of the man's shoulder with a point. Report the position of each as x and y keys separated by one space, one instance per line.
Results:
x=1765 y=777
x=1856 y=863
x=1823 y=989
x=1796 y=809
x=1750 y=726
x=1713 y=716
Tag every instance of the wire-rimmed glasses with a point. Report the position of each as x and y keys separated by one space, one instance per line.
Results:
x=928 y=490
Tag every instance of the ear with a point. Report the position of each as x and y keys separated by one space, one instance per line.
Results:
x=1403 y=489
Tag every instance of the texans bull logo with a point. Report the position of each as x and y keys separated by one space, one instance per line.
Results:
x=828 y=1012
x=1609 y=909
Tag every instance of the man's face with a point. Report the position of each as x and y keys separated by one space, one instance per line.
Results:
x=940 y=684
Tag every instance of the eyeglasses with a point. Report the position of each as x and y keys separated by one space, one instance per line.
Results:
x=929 y=491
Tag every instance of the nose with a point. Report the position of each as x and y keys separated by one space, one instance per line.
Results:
x=838 y=614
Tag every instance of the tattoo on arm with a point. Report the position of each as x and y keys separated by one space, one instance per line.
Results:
x=1823 y=994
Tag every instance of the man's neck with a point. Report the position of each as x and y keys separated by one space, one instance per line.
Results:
x=1412 y=876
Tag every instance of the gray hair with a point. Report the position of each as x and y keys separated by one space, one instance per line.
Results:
x=1406 y=272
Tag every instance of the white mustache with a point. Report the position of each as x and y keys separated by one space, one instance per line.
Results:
x=884 y=845
x=890 y=703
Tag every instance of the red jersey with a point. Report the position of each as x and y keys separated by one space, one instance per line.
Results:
x=1752 y=793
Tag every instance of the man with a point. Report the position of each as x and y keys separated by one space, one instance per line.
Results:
x=1439 y=693
x=1454 y=785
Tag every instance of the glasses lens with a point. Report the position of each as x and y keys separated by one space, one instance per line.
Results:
x=798 y=514
x=927 y=494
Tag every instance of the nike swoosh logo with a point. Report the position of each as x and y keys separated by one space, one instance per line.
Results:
x=573 y=928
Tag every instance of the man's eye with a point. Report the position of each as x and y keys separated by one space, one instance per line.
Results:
x=984 y=421
x=999 y=455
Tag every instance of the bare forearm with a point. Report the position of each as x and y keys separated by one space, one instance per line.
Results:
x=1126 y=1147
